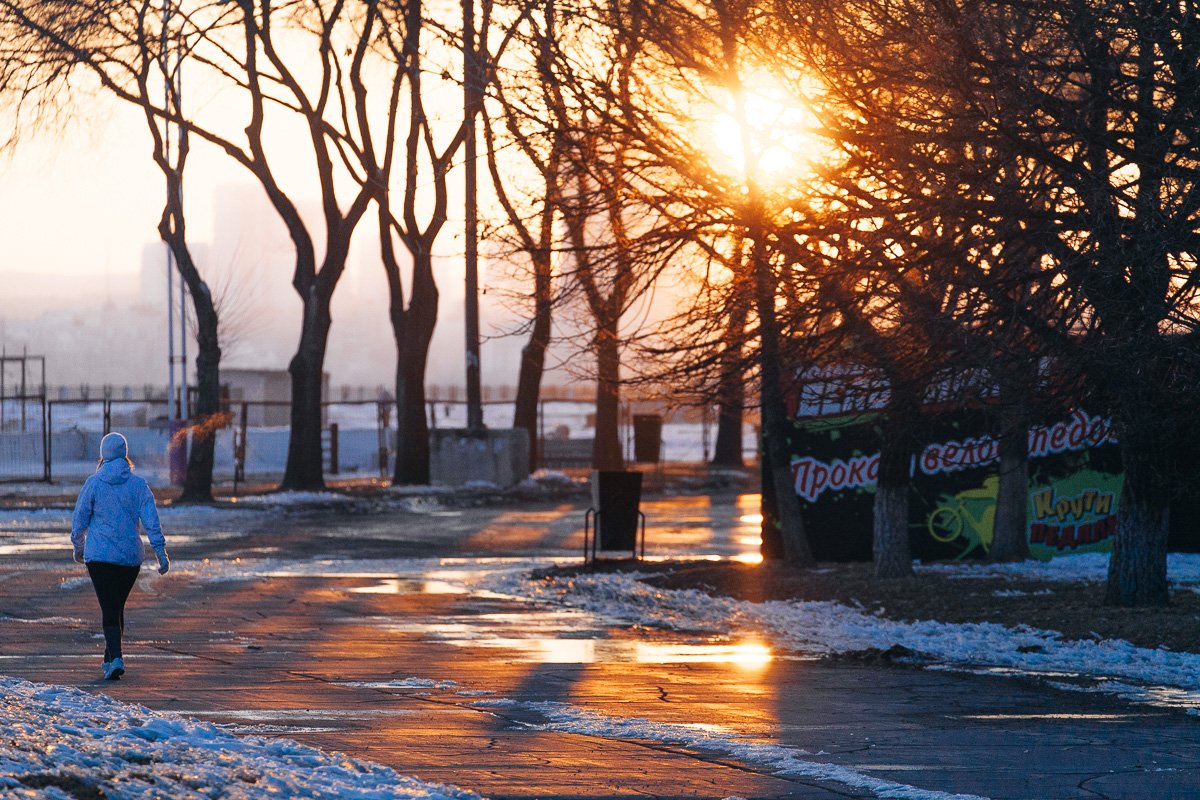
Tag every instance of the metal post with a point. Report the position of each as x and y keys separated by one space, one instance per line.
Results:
x=333 y=448
x=24 y=363
x=472 y=99
x=185 y=411
x=176 y=76
x=170 y=335
x=47 y=435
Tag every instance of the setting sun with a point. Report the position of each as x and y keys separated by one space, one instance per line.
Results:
x=778 y=142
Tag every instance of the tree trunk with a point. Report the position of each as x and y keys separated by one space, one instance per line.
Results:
x=891 y=551
x=893 y=558
x=533 y=360
x=197 y=483
x=305 y=469
x=413 y=329
x=1137 y=570
x=731 y=394
x=1009 y=533
x=776 y=425
x=606 y=446
x=727 y=450
x=198 y=479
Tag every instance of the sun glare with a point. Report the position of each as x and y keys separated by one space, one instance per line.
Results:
x=779 y=141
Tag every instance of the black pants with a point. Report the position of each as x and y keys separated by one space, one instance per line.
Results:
x=113 y=583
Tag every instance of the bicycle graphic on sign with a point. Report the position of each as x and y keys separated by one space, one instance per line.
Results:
x=969 y=515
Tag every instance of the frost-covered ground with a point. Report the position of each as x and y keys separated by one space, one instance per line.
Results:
x=62 y=743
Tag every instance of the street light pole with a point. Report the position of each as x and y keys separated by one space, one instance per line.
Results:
x=472 y=99
x=171 y=408
x=176 y=76
x=172 y=87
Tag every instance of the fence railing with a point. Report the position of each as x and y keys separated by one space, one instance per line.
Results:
x=358 y=436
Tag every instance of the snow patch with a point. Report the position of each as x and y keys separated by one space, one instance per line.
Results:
x=68 y=737
x=294 y=498
x=1019 y=593
x=780 y=759
x=402 y=683
x=1183 y=569
x=826 y=628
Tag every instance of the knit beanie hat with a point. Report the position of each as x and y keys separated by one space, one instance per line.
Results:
x=113 y=446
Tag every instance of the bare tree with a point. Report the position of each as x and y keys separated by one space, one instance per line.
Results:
x=237 y=45
x=531 y=116
x=403 y=137
x=139 y=62
x=1087 y=102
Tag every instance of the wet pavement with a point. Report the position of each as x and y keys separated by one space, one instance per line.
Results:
x=360 y=632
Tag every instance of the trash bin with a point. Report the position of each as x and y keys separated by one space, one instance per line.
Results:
x=616 y=496
x=647 y=438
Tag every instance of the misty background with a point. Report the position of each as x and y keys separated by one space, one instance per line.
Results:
x=83 y=271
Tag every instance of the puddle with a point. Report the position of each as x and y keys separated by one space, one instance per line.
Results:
x=1168 y=697
x=745 y=655
x=409 y=586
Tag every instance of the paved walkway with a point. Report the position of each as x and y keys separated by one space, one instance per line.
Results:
x=399 y=665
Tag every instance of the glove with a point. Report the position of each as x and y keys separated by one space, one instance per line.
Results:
x=164 y=563
x=78 y=555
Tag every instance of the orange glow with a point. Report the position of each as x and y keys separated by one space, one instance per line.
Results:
x=777 y=141
x=749 y=558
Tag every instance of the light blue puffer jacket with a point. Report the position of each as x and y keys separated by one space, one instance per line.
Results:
x=110 y=505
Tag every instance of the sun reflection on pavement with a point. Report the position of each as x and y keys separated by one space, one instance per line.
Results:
x=744 y=655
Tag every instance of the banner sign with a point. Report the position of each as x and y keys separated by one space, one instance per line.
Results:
x=1074 y=485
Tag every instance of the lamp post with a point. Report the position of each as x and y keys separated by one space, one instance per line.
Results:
x=172 y=90
x=177 y=412
x=472 y=99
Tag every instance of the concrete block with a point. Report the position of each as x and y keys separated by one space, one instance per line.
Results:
x=459 y=456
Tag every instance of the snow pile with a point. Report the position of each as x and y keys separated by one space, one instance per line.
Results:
x=780 y=759
x=548 y=479
x=1183 y=569
x=67 y=743
x=826 y=628
x=402 y=683
x=294 y=499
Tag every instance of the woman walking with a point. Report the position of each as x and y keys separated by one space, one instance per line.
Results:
x=104 y=533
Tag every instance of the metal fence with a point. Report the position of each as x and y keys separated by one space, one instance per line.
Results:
x=44 y=439
x=24 y=441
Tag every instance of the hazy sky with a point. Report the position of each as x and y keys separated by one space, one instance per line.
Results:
x=80 y=204
x=84 y=198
